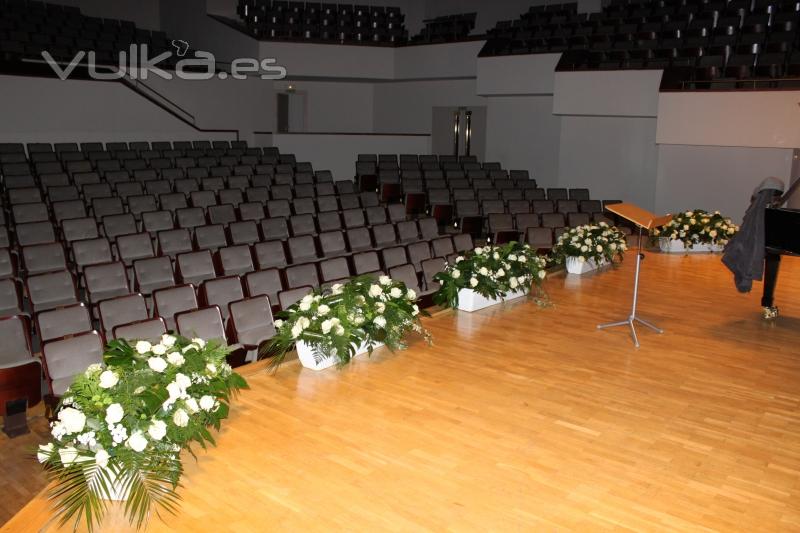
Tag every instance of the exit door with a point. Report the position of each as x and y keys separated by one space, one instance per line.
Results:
x=459 y=131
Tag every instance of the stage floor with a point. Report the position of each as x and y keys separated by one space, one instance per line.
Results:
x=527 y=418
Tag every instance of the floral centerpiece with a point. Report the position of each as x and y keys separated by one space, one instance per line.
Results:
x=695 y=230
x=493 y=272
x=587 y=247
x=346 y=319
x=121 y=425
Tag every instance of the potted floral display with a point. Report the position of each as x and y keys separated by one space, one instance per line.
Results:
x=586 y=248
x=330 y=326
x=695 y=231
x=120 y=426
x=488 y=275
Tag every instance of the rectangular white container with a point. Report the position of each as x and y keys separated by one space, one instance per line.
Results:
x=308 y=359
x=469 y=300
x=675 y=246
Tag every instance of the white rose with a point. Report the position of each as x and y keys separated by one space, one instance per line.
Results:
x=385 y=280
x=157 y=430
x=278 y=324
x=191 y=404
x=512 y=257
x=326 y=326
x=157 y=364
x=183 y=381
x=190 y=347
x=159 y=349
x=72 y=419
x=175 y=358
x=323 y=310
x=207 y=403
x=599 y=248
x=473 y=282
x=91 y=369
x=501 y=273
x=380 y=321
x=297 y=329
x=380 y=307
x=496 y=256
x=584 y=249
x=459 y=259
x=513 y=283
x=114 y=413
x=305 y=306
x=479 y=250
x=45 y=451
x=108 y=379
x=613 y=246
x=101 y=457
x=396 y=293
x=483 y=271
x=137 y=442
x=375 y=291
x=168 y=340
x=456 y=273
x=143 y=347
x=181 y=418
x=411 y=295
x=336 y=288
x=522 y=259
x=211 y=367
x=415 y=310
x=200 y=342
x=542 y=274
x=581 y=259
x=175 y=391
x=68 y=455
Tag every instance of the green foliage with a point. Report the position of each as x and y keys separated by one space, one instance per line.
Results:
x=336 y=321
x=121 y=426
x=491 y=271
x=698 y=227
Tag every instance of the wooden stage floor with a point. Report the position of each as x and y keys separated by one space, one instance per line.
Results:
x=522 y=418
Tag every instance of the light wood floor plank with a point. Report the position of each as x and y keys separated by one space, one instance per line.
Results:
x=523 y=418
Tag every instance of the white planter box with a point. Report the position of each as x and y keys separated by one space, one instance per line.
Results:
x=310 y=360
x=469 y=300
x=675 y=246
x=576 y=266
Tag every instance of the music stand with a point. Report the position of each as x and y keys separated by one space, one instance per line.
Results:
x=644 y=220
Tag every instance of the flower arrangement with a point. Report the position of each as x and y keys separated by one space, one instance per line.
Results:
x=698 y=227
x=595 y=242
x=335 y=322
x=491 y=271
x=120 y=426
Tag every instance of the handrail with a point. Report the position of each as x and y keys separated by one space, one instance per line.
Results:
x=136 y=86
x=129 y=84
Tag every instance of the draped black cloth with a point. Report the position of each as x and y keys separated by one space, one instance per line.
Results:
x=744 y=253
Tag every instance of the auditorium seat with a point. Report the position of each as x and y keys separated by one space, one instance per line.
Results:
x=65 y=358
x=153 y=273
x=54 y=289
x=251 y=323
x=221 y=292
x=236 y=260
x=149 y=329
x=63 y=321
x=121 y=310
x=169 y=301
x=289 y=297
x=105 y=281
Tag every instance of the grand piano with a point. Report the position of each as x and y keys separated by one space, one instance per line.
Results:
x=782 y=228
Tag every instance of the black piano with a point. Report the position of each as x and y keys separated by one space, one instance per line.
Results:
x=782 y=229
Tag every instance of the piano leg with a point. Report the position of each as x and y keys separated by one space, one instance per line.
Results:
x=772 y=262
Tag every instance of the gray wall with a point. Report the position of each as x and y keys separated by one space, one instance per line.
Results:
x=615 y=157
x=51 y=110
x=523 y=133
x=715 y=177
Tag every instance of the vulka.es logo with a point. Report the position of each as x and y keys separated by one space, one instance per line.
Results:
x=138 y=64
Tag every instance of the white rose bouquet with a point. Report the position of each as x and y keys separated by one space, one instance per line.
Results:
x=335 y=321
x=491 y=271
x=698 y=227
x=120 y=426
x=599 y=242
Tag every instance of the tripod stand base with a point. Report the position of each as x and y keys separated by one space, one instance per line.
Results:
x=630 y=323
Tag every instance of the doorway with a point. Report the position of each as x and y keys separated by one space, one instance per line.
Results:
x=291 y=112
x=459 y=131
